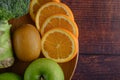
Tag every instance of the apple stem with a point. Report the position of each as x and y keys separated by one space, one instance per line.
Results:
x=41 y=78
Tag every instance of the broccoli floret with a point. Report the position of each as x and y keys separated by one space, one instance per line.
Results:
x=13 y=8
x=5 y=14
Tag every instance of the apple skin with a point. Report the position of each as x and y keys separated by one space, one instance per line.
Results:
x=9 y=76
x=45 y=68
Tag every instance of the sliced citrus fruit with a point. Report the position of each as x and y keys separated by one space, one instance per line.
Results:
x=59 y=21
x=50 y=9
x=59 y=45
x=36 y=4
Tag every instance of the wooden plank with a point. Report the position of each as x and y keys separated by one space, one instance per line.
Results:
x=94 y=67
x=99 y=25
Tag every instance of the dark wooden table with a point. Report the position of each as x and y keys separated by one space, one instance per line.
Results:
x=99 y=38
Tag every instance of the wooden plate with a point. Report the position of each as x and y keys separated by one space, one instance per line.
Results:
x=19 y=66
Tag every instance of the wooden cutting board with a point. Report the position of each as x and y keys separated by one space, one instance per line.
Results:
x=19 y=66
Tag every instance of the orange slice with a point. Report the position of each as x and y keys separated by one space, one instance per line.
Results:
x=59 y=21
x=59 y=45
x=50 y=9
x=36 y=4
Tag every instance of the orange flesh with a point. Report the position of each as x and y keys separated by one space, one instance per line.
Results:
x=48 y=11
x=58 y=45
x=61 y=23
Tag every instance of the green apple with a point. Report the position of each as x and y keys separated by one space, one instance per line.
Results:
x=44 y=69
x=9 y=76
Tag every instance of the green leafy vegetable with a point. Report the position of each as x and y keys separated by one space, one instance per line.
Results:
x=9 y=9
x=13 y=8
x=6 y=56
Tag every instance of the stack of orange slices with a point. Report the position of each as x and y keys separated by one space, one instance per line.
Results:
x=55 y=22
x=36 y=4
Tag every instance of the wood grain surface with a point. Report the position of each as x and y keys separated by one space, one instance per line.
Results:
x=99 y=25
x=99 y=38
x=94 y=67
